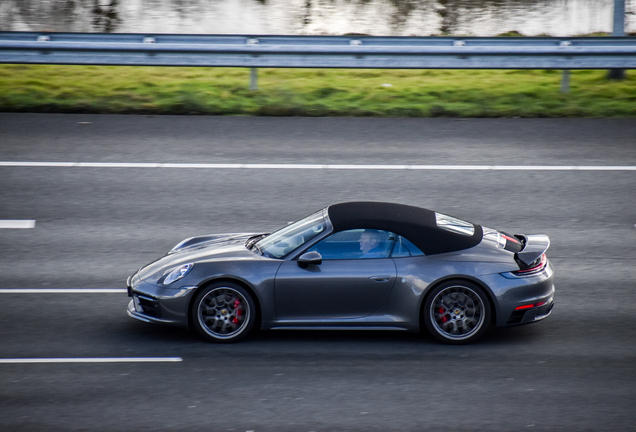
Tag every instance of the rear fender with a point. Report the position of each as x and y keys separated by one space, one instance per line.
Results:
x=493 y=305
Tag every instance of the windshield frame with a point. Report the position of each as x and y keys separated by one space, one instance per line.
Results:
x=267 y=245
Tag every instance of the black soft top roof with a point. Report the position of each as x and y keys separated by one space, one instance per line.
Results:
x=414 y=223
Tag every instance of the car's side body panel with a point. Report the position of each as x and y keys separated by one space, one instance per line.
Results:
x=335 y=289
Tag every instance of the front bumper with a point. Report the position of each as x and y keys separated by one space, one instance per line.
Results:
x=157 y=304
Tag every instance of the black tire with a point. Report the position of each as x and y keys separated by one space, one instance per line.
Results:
x=223 y=312
x=457 y=312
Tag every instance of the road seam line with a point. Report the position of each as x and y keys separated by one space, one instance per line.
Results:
x=321 y=166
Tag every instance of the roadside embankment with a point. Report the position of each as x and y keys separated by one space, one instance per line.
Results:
x=314 y=92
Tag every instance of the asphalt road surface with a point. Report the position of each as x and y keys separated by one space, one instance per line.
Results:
x=95 y=225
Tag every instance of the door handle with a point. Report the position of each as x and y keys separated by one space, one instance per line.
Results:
x=381 y=278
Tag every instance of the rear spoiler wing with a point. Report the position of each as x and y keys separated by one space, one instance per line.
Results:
x=535 y=246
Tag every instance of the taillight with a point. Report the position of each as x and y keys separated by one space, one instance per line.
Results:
x=533 y=305
x=536 y=267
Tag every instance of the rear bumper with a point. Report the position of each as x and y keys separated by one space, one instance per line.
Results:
x=527 y=316
x=534 y=300
x=523 y=300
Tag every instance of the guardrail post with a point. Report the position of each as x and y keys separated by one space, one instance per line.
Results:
x=565 y=81
x=565 y=77
x=253 y=79
x=619 y=30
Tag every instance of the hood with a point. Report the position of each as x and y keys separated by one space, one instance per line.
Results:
x=200 y=250
x=209 y=240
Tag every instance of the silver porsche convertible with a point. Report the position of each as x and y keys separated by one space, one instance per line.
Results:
x=351 y=265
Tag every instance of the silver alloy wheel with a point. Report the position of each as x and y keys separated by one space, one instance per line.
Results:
x=457 y=312
x=223 y=313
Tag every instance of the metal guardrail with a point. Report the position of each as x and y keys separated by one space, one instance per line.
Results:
x=318 y=51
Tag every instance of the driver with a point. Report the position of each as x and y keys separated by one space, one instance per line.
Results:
x=370 y=244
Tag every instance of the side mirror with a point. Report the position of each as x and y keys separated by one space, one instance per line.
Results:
x=313 y=258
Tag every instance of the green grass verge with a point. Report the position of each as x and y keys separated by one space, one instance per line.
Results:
x=314 y=92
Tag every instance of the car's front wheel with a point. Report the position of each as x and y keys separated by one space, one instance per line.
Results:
x=457 y=312
x=223 y=312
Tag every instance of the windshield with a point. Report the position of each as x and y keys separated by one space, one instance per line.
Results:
x=285 y=240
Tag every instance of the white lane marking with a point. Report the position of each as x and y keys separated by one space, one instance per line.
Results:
x=92 y=360
x=322 y=166
x=62 y=291
x=17 y=224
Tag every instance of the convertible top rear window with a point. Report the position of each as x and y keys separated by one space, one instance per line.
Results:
x=455 y=225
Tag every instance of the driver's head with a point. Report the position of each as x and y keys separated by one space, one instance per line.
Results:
x=369 y=240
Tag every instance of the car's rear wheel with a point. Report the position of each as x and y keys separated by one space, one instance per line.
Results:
x=223 y=312
x=457 y=312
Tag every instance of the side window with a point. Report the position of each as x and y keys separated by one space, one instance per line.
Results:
x=404 y=248
x=356 y=244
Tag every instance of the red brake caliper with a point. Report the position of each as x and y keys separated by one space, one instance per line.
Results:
x=237 y=312
x=442 y=311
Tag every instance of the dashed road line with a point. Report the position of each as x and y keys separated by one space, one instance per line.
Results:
x=63 y=291
x=91 y=360
x=17 y=224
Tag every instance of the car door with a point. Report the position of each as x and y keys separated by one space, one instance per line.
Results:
x=346 y=285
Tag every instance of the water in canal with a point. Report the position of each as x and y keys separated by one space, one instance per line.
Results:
x=316 y=17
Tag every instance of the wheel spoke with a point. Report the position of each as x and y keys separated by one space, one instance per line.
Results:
x=210 y=319
x=471 y=312
x=447 y=302
x=451 y=327
x=469 y=323
x=208 y=310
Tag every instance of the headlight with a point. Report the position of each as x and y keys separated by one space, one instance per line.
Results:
x=177 y=273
